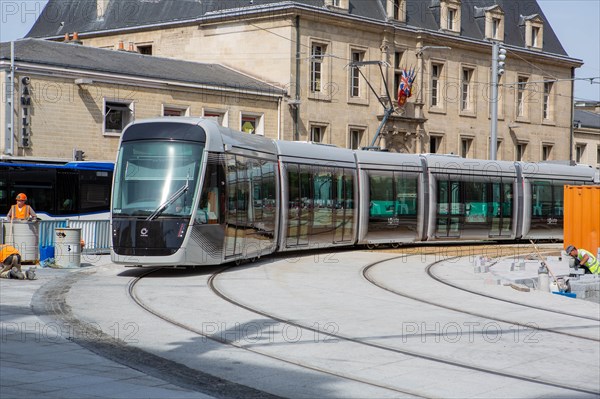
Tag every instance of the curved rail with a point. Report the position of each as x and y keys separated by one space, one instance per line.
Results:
x=212 y=286
x=140 y=302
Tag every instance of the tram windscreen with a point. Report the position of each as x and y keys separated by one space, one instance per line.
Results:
x=157 y=178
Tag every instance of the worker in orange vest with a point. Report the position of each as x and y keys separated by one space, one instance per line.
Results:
x=11 y=264
x=21 y=210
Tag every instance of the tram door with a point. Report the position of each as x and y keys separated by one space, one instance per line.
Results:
x=450 y=209
x=237 y=206
x=501 y=203
x=300 y=205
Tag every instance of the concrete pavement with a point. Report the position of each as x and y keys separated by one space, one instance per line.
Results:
x=312 y=326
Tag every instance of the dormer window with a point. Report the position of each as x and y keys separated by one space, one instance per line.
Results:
x=534 y=31
x=494 y=22
x=396 y=10
x=338 y=4
x=450 y=15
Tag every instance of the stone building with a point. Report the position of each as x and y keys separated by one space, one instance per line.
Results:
x=586 y=135
x=68 y=98
x=310 y=48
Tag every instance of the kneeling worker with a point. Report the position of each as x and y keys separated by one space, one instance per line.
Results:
x=585 y=258
x=11 y=264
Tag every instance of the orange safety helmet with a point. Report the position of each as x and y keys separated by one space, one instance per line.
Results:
x=21 y=196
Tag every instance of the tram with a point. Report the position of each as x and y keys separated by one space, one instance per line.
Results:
x=189 y=192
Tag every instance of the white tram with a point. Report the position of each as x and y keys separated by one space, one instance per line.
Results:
x=190 y=192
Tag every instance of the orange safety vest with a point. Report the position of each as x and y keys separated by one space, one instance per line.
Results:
x=20 y=213
x=6 y=251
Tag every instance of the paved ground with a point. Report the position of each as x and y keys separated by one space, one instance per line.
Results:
x=309 y=326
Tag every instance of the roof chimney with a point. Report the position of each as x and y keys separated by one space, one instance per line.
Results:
x=130 y=47
x=76 y=39
x=121 y=45
x=67 y=37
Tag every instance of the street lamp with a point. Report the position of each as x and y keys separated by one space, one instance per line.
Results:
x=498 y=57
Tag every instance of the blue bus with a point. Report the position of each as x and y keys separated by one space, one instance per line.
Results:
x=75 y=190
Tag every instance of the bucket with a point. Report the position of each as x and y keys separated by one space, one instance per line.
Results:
x=67 y=247
x=24 y=237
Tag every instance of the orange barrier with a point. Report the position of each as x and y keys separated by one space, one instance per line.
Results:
x=582 y=217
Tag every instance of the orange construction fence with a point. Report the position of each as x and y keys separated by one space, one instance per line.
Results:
x=582 y=217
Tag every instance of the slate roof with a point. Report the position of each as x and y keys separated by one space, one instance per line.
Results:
x=59 y=54
x=587 y=118
x=60 y=16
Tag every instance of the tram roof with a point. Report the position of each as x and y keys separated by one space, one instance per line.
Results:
x=308 y=152
x=558 y=171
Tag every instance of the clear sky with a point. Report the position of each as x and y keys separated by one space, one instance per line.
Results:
x=575 y=22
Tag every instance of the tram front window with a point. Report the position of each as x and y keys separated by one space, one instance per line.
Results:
x=156 y=178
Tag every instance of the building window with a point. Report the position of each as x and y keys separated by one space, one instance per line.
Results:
x=494 y=23
x=251 y=124
x=434 y=144
x=598 y=155
x=356 y=136
x=499 y=150
x=399 y=10
x=117 y=115
x=317 y=53
x=436 y=74
x=217 y=116
x=397 y=70
x=169 y=110
x=466 y=92
x=534 y=31
x=546 y=152
x=450 y=15
x=145 y=49
x=520 y=151
x=355 y=89
x=465 y=147
x=451 y=18
x=579 y=152
x=317 y=134
x=495 y=28
x=521 y=87
x=547 y=108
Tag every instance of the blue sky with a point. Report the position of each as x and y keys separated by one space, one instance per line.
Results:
x=576 y=23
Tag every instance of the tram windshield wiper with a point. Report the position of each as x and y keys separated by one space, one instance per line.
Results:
x=161 y=208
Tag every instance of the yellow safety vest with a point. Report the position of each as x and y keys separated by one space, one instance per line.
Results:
x=592 y=263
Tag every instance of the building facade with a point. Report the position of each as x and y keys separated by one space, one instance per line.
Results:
x=586 y=135
x=68 y=98
x=340 y=64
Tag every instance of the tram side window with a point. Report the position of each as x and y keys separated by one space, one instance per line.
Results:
x=406 y=194
x=211 y=201
x=476 y=204
x=547 y=198
x=381 y=190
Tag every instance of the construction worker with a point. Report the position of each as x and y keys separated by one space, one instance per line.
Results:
x=21 y=210
x=11 y=264
x=585 y=258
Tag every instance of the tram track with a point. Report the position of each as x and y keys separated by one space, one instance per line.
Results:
x=410 y=353
x=133 y=295
x=213 y=286
x=430 y=273
x=366 y=275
